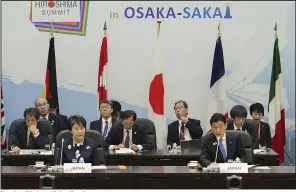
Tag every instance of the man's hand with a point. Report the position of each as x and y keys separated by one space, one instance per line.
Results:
x=33 y=129
x=116 y=147
x=184 y=119
x=134 y=147
x=16 y=149
x=214 y=163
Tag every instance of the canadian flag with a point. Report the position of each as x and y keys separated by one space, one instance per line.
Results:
x=156 y=94
x=102 y=73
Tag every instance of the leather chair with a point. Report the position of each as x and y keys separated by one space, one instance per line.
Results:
x=91 y=134
x=41 y=123
x=150 y=130
x=247 y=142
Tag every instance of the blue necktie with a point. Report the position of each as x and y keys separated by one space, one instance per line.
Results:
x=222 y=149
x=105 y=129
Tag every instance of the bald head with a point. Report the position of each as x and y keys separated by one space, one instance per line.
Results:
x=42 y=105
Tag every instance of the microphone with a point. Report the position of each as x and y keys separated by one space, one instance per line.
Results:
x=61 y=156
x=217 y=149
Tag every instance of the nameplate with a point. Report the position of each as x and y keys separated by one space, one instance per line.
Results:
x=77 y=167
x=233 y=167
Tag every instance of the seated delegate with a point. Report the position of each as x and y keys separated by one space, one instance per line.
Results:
x=229 y=148
x=128 y=134
x=29 y=134
x=79 y=149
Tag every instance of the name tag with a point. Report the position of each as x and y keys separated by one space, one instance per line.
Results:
x=77 y=167
x=233 y=167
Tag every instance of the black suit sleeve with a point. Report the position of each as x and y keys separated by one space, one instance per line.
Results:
x=13 y=138
x=268 y=136
x=169 y=136
x=147 y=145
x=95 y=156
x=42 y=139
x=194 y=128
x=240 y=151
x=205 y=154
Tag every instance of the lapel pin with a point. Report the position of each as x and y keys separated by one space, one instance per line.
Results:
x=69 y=147
x=87 y=147
x=215 y=143
x=135 y=133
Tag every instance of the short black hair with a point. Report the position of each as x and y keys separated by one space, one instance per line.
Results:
x=116 y=106
x=76 y=119
x=257 y=107
x=32 y=112
x=238 y=111
x=217 y=117
x=106 y=102
x=129 y=113
x=181 y=101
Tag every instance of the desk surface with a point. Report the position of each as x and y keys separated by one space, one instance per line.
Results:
x=149 y=177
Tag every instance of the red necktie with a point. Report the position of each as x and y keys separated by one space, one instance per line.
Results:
x=259 y=126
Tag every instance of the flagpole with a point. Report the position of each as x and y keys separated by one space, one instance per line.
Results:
x=51 y=30
x=275 y=30
x=105 y=34
x=158 y=28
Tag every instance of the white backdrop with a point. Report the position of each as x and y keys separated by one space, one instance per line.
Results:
x=188 y=47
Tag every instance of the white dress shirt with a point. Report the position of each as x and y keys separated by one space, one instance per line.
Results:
x=236 y=128
x=140 y=147
x=187 y=134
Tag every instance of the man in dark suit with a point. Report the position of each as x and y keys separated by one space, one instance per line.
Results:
x=57 y=121
x=239 y=115
x=127 y=134
x=116 y=114
x=104 y=124
x=184 y=128
x=262 y=129
x=228 y=147
x=29 y=135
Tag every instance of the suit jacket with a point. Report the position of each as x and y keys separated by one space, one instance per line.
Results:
x=250 y=128
x=88 y=152
x=209 y=146
x=193 y=127
x=65 y=119
x=20 y=133
x=139 y=136
x=265 y=136
x=58 y=124
x=97 y=125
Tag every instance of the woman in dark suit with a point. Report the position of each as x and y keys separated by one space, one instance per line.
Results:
x=79 y=149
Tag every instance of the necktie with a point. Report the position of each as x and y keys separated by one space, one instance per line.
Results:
x=222 y=149
x=238 y=129
x=127 y=138
x=182 y=132
x=258 y=126
x=43 y=118
x=105 y=129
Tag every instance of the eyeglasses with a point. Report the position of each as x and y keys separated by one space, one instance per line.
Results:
x=41 y=104
x=178 y=108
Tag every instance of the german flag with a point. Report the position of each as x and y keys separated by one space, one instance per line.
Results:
x=50 y=87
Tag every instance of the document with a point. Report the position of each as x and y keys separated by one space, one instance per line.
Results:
x=98 y=167
x=125 y=151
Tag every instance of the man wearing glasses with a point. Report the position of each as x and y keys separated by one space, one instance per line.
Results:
x=184 y=128
x=239 y=115
x=58 y=123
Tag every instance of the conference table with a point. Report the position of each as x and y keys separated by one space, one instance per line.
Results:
x=149 y=177
x=152 y=158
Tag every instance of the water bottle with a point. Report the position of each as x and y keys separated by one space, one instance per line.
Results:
x=175 y=148
x=52 y=148
x=237 y=160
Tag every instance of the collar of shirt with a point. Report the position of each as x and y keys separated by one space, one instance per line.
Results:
x=130 y=130
x=46 y=116
x=236 y=128
x=223 y=138
x=104 y=120
x=180 y=123
x=78 y=144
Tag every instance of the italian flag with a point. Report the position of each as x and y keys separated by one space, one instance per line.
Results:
x=276 y=103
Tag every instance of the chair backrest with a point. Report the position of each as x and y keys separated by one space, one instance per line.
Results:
x=90 y=134
x=247 y=143
x=191 y=144
x=148 y=125
x=41 y=123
